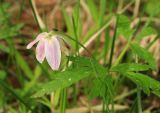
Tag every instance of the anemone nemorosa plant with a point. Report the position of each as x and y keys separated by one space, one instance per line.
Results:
x=48 y=46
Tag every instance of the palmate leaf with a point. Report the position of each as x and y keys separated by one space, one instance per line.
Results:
x=98 y=69
x=102 y=87
x=128 y=67
x=101 y=80
x=143 y=54
x=147 y=83
x=124 y=26
x=81 y=68
x=62 y=80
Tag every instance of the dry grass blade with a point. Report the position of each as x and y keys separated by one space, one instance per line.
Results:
x=95 y=109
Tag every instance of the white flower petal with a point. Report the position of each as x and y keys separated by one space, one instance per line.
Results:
x=53 y=52
x=38 y=38
x=40 y=50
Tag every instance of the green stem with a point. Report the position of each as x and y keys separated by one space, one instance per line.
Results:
x=110 y=59
x=139 y=100
x=122 y=54
x=106 y=45
x=76 y=35
x=63 y=101
x=75 y=92
x=113 y=43
x=138 y=93
x=127 y=46
x=36 y=16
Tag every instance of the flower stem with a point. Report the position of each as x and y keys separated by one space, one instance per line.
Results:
x=127 y=46
x=110 y=61
x=36 y=15
x=113 y=43
x=63 y=101
x=138 y=92
x=139 y=100
x=52 y=102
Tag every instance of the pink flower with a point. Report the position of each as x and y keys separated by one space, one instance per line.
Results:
x=48 y=46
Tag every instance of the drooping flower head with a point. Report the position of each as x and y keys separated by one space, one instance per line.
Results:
x=48 y=46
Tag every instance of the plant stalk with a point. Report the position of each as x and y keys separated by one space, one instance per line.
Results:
x=63 y=101
x=139 y=106
x=36 y=15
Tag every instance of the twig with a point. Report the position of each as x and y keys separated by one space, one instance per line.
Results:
x=36 y=15
x=95 y=35
x=85 y=7
x=125 y=8
x=95 y=108
x=144 y=19
x=120 y=5
x=136 y=8
x=125 y=95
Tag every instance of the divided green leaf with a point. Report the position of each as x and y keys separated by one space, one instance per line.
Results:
x=102 y=81
x=128 y=67
x=62 y=80
x=147 y=83
x=82 y=67
x=124 y=26
x=143 y=54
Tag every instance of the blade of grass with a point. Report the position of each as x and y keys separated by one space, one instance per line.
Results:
x=97 y=33
x=113 y=43
x=102 y=10
x=138 y=92
x=106 y=45
x=100 y=22
x=111 y=53
x=93 y=9
x=127 y=46
x=68 y=21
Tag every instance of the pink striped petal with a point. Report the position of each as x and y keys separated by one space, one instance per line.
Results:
x=53 y=52
x=40 y=50
x=39 y=37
